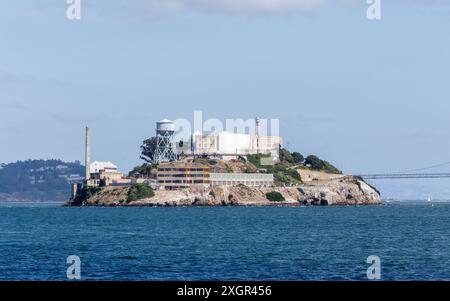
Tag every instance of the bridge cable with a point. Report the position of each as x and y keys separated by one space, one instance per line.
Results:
x=423 y=168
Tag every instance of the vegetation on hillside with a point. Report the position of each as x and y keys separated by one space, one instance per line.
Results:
x=282 y=171
x=312 y=162
x=144 y=170
x=256 y=159
x=45 y=180
x=317 y=164
x=285 y=171
x=286 y=156
x=284 y=174
x=148 y=149
x=139 y=192
x=298 y=158
x=275 y=196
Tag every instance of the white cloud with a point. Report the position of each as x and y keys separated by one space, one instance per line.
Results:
x=233 y=6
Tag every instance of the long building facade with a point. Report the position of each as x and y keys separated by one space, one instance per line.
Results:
x=180 y=175
x=225 y=143
x=234 y=144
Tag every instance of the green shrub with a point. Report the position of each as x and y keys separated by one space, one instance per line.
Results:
x=212 y=162
x=275 y=196
x=286 y=156
x=318 y=164
x=284 y=174
x=143 y=170
x=294 y=174
x=255 y=159
x=298 y=158
x=314 y=162
x=242 y=159
x=328 y=167
x=139 y=192
x=229 y=169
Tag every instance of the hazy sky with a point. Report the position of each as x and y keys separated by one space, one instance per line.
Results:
x=369 y=96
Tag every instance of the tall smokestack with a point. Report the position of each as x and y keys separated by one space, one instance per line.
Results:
x=257 y=132
x=88 y=154
x=258 y=126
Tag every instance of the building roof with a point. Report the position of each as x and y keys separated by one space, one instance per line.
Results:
x=165 y=120
x=97 y=166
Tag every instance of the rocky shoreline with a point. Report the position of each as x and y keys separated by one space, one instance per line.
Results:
x=345 y=190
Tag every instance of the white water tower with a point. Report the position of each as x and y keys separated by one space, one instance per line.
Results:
x=164 y=148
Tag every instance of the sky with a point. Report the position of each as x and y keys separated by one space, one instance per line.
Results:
x=369 y=96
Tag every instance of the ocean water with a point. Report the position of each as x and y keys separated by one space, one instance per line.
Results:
x=226 y=243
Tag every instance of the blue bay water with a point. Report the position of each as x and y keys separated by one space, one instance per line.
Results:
x=225 y=243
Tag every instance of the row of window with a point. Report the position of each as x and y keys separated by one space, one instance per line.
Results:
x=248 y=183
x=189 y=169
x=184 y=182
x=183 y=175
x=241 y=177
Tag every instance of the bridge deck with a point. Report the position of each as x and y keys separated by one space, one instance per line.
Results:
x=406 y=176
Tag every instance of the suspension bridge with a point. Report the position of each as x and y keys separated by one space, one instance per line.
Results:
x=410 y=174
x=406 y=176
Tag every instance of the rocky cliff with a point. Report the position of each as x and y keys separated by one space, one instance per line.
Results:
x=340 y=191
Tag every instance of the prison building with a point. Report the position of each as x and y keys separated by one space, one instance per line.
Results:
x=230 y=145
x=225 y=143
x=180 y=175
x=247 y=179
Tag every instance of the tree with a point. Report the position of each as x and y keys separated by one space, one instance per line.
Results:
x=285 y=156
x=298 y=158
x=314 y=162
x=139 y=192
x=255 y=159
x=322 y=165
x=275 y=196
x=142 y=170
x=148 y=150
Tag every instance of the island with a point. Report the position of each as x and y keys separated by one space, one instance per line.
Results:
x=195 y=176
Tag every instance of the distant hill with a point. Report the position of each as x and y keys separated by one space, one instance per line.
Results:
x=38 y=180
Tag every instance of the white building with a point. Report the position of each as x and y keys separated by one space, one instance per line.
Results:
x=228 y=144
x=225 y=143
x=108 y=172
x=98 y=166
